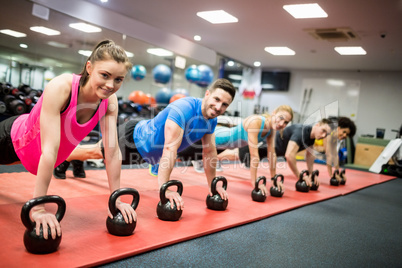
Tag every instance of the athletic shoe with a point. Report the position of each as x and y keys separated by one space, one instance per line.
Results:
x=198 y=166
x=153 y=170
x=78 y=169
x=60 y=171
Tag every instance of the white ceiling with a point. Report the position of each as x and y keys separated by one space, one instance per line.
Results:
x=378 y=25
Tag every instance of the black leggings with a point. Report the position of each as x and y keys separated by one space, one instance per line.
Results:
x=7 y=155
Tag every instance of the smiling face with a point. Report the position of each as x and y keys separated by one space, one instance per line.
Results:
x=106 y=77
x=215 y=103
x=343 y=133
x=280 y=119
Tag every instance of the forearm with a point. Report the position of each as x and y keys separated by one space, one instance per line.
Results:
x=44 y=175
x=310 y=161
x=210 y=159
x=272 y=161
x=113 y=170
x=254 y=161
x=166 y=165
x=291 y=160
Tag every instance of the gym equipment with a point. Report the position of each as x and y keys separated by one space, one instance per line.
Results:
x=138 y=72
x=206 y=75
x=176 y=97
x=192 y=74
x=333 y=181
x=163 y=95
x=14 y=105
x=3 y=107
x=314 y=176
x=257 y=194
x=274 y=190
x=150 y=99
x=342 y=174
x=181 y=91
x=37 y=244
x=215 y=202
x=390 y=152
x=117 y=225
x=164 y=210
x=301 y=184
x=139 y=97
x=162 y=73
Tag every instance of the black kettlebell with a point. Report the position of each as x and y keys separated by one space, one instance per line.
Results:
x=314 y=185
x=275 y=191
x=257 y=194
x=117 y=225
x=164 y=210
x=342 y=174
x=37 y=244
x=333 y=181
x=301 y=184
x=215 y=202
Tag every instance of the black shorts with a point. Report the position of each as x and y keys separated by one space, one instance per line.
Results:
x=244 y=153
x=129 y=152
x=7 y=155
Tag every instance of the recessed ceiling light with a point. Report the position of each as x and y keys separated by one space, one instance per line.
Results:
x=12 y=33
x=230 y=63
x=197 y=38
x=350 y=50
x=217 y=16
x=129 y=54
x=104 y=1
x=24 y=45
x=44 y=30
x=57 y=44
x=280 y=51
x=237 y=77
x=85 y=27
x=86 y=53
x=257 y=64
x=305 y=11
x=159 y=52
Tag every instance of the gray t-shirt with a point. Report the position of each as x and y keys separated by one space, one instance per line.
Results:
x=298 y=133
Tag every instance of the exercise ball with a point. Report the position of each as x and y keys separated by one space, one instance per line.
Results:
x=176 y=97
x=138 y=72
x=138 y=97
x=206 y=75
x=163 y=95
x=162 y=73
x=150 y=99
x=181 y=91
x=192 y=74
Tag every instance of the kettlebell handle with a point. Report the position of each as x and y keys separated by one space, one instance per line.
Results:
x=302 y=174
x=165 y=186
x=123 y=191
x=336 y=172
x=275 y=179
x=257 y=182
x=215 y=181
x=26 y=209
x=342 y=173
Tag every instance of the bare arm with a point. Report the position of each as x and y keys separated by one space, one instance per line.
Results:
x=173 y=138
x=272 y=156
x=55 y=97
x=331 y=154
x=113 y=157
x=290 y=156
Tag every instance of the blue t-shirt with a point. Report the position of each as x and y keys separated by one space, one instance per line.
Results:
x=149 y=135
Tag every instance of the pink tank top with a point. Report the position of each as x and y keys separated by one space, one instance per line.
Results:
x=25 y=132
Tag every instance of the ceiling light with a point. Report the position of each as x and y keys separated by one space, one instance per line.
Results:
x=86 y=53
x=336 y=83
x=280 y=51
x=197 y=38
x=57 y=44
x=257 y=64
x=235 y=77
x=103 y=1
x=129 y=54
x=12 y=33
x=230 y=63
x=159 y=52
x=305 y=11
x=350 y=50
x=217 y=16
x=44 y=30
x=24 y=45
x=85 y=27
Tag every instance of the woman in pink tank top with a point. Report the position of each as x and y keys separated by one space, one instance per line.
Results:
x=70 y=107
